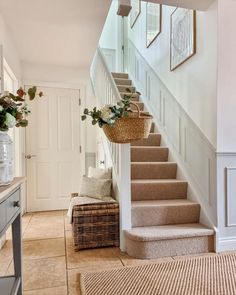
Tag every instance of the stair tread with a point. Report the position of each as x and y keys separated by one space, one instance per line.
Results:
x=129 y=93
x=158 y=180
x=119 y=73
x=159 y=203
x=168 y=232
x=124 y=79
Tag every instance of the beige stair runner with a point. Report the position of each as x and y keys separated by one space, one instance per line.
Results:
x=164 y=221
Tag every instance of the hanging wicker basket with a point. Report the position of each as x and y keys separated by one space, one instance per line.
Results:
x=131 y=128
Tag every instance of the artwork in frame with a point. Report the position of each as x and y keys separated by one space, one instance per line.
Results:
x=153 y=22
x=135 y=11
x=182 y=36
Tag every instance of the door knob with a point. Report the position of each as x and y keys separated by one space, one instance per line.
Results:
x=30 y=156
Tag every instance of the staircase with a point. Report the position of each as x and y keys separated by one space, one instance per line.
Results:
x=164 y=221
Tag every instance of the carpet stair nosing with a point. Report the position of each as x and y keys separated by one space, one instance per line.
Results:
x=171 y=232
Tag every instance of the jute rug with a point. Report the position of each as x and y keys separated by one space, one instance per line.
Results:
x=208 y=275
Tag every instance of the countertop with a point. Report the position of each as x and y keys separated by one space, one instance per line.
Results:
x=5 y=190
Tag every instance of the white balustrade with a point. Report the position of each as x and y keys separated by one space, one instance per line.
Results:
x=106 y=92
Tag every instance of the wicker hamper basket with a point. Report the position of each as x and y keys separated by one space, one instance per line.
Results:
x=131 y=128
x=96 y=225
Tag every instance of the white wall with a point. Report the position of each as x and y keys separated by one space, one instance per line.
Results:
x=226 y=121
x=108 y=37
x=67 y=76
x=194 y=83
x=9 y=49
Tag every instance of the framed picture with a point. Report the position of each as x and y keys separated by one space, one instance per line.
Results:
x=182 y=36
x=135 y=11
x=153 y=22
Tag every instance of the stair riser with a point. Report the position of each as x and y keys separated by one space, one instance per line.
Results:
x=168 y=248
x=134 y=98
x=158 y=191
x=120 y=75
x=153 y=171
x=164 y=215
x=122 y=88
x=123 y=82
x=152 y=140
x=139 y=104
x=149 y=154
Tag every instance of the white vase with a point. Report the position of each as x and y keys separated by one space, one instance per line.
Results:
x=6 y=159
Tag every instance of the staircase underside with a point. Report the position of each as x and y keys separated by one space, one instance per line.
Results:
x=164 y=221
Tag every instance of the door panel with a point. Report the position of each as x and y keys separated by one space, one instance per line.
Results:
x=52 y=138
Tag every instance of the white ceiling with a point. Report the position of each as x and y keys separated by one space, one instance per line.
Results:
x=56 y=32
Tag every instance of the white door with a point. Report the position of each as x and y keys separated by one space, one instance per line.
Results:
x=53 y=149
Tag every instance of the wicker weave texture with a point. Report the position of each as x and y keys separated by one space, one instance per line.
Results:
x=128 y=129
x=96 y=225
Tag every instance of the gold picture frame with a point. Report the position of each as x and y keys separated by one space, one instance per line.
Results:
x=182 y=36
x=153 y=22
x=135 y=12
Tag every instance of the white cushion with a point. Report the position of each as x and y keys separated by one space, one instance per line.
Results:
x=99 y=173
x=95 y=188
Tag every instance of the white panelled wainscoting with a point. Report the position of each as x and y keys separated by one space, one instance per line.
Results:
x=188 y=145
x=226 y=200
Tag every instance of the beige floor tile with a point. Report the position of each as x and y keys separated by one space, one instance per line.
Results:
x=101 y=256
x=44 y=230
x=26 y=217
x=193 y=256
x=131 y=261
x=44 y=273
x=68 y=225
x=56 y=217
x=50 y=291
x=45 y=214
x=5 y=257
x=43 y=248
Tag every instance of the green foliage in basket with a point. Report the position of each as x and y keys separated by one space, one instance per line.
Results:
x=109 y=113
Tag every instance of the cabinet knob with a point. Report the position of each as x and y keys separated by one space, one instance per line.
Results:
x=16 y=204
x=102 y=162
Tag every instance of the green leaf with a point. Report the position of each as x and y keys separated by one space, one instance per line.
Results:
x=86 y=111
x=32 y=92
x=94 y=122
x=22 y=123
x=83 y=117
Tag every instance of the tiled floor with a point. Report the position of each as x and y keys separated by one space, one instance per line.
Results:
x=49 y=262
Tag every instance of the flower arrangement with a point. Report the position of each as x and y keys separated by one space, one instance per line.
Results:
x=14 y=109
x=109 y=114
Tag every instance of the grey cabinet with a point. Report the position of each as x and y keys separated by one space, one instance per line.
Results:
x=10 y=214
